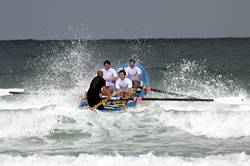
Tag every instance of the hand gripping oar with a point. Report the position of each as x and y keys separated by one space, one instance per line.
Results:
x=165 y=92
x=225 y=100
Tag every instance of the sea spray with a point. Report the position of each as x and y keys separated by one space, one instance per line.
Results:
x=196 y=79
x=65 y=65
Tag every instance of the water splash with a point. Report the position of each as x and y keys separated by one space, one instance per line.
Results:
x=64 y=65
x=194 y=78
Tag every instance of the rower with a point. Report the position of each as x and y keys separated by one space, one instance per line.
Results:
x=134 y=73
x=96 y=88
x=109 y=75
x=123 y=85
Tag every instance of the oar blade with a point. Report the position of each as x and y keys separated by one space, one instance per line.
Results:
x=6 y=92
x=16 y=91
x=231 y=100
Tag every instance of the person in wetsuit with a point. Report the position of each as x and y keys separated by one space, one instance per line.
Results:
x=96 y=87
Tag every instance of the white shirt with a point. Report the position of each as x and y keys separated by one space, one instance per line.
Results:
x=107 y=75
x=123 y=84
x=133 y=72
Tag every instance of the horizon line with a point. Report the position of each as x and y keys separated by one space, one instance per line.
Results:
x=102 y=39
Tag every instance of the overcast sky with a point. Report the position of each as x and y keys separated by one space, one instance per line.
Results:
x=98 y=19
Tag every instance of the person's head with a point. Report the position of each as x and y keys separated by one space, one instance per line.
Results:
x=122 y=74
x=99 y=73
x=131 y=63
x=137 y=84
x=107 y=64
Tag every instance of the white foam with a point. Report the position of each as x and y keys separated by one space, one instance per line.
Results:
x=24 y=118
x=41 y=98
x=43 y=121
x=26 y=123
x=240 y=159
x=214 y=121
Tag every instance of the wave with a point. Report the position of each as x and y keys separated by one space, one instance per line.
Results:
x=42 y=116
x=210 y=120
x=236 y=159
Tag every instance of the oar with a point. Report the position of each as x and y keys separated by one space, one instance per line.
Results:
x=103 y=101
x=165 y=92
x=225 y=100
x=6 y=92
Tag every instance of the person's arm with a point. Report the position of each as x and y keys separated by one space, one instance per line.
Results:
x=126 y=70
x=103 y=88
x=130 y=89
x=117 y=84
x=84 y=96
x=114 y=76
x=118 y=89
x=138 y=76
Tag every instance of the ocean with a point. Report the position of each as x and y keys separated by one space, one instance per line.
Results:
x=45 y=126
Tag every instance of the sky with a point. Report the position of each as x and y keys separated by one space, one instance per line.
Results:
x=123 y=19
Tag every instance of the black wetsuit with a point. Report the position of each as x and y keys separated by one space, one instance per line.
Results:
x=93 y=96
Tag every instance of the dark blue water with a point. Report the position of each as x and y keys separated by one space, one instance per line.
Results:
x=22 y=60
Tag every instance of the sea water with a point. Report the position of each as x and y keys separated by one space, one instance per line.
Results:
x=46 y=126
